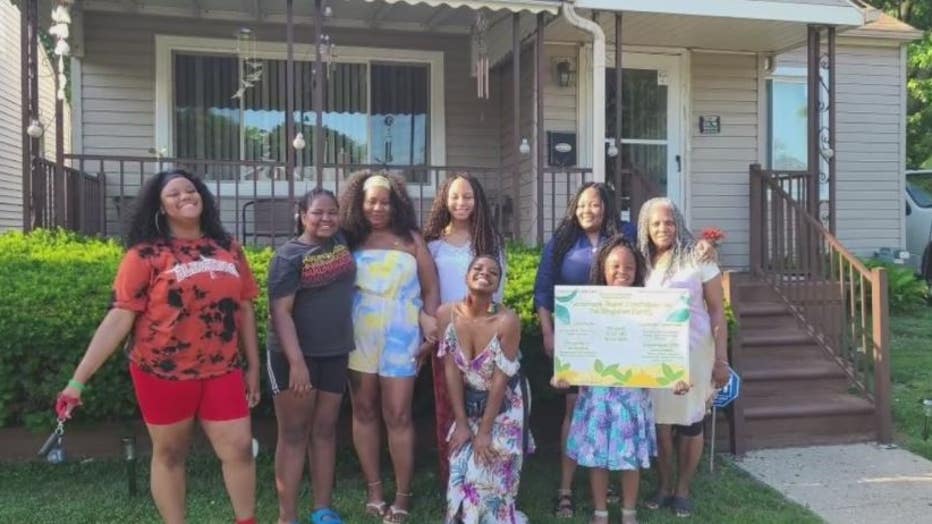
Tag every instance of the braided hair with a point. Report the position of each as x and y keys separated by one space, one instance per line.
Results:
x=683 y=249
x=484 y=236
x=597 y=272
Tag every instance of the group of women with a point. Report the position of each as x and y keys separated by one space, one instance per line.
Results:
x=361 y=297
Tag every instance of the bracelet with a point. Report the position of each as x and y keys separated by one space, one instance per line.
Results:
x=72 y=383
x=722 y=360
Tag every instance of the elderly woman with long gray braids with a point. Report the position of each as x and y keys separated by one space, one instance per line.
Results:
x=673 y=262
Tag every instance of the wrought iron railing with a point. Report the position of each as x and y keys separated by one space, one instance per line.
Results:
x=842 y=304
x=256 y=198
x=65 y=197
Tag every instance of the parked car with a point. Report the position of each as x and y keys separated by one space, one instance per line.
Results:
x=919 y=221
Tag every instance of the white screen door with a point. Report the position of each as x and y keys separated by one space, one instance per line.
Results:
x=651 y=131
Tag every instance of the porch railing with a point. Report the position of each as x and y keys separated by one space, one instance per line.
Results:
x=68 y=198
x=841 y=302
x=255 y=198
x=558 y=186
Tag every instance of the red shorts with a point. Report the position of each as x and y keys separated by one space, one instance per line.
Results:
x=164 y=401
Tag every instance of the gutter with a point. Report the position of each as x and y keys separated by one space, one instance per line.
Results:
x=569 y=14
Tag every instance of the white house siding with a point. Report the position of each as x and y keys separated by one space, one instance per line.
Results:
x=11 y=166
x=520 y=186
x=870 y=149
x=11 y=132
x=717 y=167
x=118 y=72
x=560 y=114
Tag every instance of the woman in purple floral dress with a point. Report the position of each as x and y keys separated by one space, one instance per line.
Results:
x=613 y=428
x=488 y=438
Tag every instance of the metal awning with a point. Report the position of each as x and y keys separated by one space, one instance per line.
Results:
x=533 y=6
x=824 y=12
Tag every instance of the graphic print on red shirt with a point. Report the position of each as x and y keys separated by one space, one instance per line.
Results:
x=186 y=294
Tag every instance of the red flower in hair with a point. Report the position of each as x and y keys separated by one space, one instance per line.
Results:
x=713 y=235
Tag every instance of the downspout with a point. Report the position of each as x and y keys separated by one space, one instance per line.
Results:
x=598 y=86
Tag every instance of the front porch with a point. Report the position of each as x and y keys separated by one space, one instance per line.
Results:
x=407 y=89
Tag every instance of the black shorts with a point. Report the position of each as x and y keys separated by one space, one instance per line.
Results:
x=691 y=430
x=326 y=373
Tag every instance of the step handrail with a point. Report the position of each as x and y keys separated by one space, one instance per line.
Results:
x=841 y=302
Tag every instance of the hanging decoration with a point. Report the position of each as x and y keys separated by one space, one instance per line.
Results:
x=251 y=66
x=480 y=54
x=61 y=20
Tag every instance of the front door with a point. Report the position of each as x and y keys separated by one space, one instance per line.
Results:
x=651 y=132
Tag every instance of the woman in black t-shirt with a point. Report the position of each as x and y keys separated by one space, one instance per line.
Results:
x=311 y=285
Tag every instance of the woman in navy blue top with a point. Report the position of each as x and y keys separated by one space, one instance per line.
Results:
x=589 y=221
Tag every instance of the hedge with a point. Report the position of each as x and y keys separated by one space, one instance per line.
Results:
x=56 y=289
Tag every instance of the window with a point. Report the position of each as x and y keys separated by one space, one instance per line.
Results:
x=374 y=112
x=787 y=104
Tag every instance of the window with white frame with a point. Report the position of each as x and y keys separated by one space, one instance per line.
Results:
x=787 y=110
x=374 y=112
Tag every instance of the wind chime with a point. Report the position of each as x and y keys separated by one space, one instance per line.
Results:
x=61 y=20
x=250 y=65
x=480 y=55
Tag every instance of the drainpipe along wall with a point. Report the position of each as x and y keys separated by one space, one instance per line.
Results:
x=597 y=121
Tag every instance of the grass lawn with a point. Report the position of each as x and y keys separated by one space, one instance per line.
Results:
x=912 y=377
x=96 y=491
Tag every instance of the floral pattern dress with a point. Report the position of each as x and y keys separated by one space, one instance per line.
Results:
x=479 y=492
x=613 y=429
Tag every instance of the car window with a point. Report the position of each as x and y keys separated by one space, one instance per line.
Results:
x=921 y=194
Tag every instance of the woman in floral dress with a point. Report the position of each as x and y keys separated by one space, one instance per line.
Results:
x=488 y=438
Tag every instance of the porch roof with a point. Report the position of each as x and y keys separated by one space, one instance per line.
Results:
x=444 y=16
x=704 y=26
x=827 y=12
x=534 y=6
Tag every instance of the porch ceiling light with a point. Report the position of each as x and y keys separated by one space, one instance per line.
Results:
x=566 y=75
x=524 y=148
x=35 y=129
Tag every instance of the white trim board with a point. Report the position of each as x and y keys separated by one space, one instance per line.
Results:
x=753 y=10
x=165 y=45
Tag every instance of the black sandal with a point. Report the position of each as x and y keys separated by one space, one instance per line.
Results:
x=658 y=500
x=564 y=507
x=682 y=506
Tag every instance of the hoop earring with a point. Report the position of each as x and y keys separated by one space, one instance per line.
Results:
x=157 y=227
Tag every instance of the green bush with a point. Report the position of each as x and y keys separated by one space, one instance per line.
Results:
x=56 y=290
x=905 y=291
x=519 y=286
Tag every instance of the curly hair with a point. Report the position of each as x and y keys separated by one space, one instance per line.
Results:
x=568 y=231
x=597 y=272
x=403 y=221
x=484 y=236
x=148 y=223
x=683 y=244
x=304 y=203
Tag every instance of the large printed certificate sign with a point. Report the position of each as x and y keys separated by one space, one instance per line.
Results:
x=621 y=336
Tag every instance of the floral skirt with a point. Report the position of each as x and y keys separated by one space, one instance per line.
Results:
x=612 y=428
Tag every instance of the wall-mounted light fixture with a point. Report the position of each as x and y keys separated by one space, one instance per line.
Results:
x=564 y=72
x=525 y=147
x=35 y=130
